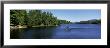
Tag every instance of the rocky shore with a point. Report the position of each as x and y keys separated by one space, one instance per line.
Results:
x=18 y=26
x=25 y=26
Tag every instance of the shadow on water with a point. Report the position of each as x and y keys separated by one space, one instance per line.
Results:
x=32 y=33
x=15 y=33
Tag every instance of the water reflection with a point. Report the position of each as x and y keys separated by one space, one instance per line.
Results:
x=32 y=33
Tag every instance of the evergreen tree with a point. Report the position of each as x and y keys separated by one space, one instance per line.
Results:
x=34 y=18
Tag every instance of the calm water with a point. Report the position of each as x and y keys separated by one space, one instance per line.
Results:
x=64 y=31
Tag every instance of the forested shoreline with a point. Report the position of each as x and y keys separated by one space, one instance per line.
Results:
x=93 y=21
x=38 y=18
x=34 y=18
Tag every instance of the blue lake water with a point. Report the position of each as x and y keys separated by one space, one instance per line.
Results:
x=63 y=31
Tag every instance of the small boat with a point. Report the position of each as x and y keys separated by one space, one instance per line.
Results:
x=67 y=28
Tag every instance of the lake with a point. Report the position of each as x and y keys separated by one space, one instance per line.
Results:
x=63 y=31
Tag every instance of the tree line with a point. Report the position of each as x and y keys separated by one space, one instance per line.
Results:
x=34 y=18
x=93 y=21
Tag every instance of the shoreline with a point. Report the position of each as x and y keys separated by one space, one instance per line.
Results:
x=25 y=26
x=17 y=27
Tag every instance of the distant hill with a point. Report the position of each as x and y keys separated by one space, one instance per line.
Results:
x=93 y=21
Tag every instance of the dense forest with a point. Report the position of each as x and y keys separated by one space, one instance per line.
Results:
x=34 y=18
x=93 y=21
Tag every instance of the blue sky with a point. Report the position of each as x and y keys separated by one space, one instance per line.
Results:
x=75 y=15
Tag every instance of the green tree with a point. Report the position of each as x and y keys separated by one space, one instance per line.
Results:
x=34 y=18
